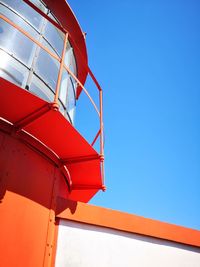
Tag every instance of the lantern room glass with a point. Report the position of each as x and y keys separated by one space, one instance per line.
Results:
x=26 y=64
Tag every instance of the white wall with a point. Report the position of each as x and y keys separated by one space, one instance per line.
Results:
x=82 y=245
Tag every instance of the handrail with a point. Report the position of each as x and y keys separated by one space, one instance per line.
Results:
x=82 y=86
x=61 y=69
x=29 y=36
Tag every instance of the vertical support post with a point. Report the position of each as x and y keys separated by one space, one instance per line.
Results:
x=101 y=122
x=101 y=138
x=60 y=70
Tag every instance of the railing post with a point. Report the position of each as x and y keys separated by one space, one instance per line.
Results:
x=60 y=70
x=101 y=138
x=101 y=123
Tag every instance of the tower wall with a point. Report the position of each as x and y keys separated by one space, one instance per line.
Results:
x=29 y=187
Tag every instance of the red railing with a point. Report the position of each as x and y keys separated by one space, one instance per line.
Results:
x=99 y=111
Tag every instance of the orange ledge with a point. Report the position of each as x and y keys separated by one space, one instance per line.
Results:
x=103 y=217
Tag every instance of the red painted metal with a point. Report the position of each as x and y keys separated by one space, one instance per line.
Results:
x=18 y=125
x=55 y=132
x=26 y=187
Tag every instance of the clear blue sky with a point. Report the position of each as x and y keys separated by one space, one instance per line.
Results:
x=146 y=56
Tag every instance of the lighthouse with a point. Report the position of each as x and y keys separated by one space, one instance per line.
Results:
x=45 y=161
x=49 y=170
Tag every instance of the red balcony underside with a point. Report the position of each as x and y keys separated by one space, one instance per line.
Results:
x=31 y=115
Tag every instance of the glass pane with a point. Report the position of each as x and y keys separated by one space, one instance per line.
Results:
x=61 y=108
x=73 y=64
x=47 y=45
x=40 y=5
x=74 y=84
x=47 y=69
x=52 y=16
x=18 y=20
x=68 y=55
x=55 y=37
x=69 y=117
x=16 y=43
x=70 y=100
x=12 y=70
x=63 y=87
x=40 y=89
x=70 y=60
x=64 y=112
x=71 y=114
x=67 y=97
x=26 y=11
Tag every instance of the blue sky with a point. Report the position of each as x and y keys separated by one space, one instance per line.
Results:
x=146 y=56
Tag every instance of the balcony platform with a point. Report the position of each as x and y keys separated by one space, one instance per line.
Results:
x=45 y=128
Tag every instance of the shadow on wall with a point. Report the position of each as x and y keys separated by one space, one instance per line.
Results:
x=64 y=204
x=26 y=174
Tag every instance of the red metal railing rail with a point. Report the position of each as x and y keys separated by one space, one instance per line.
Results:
x=60 y=70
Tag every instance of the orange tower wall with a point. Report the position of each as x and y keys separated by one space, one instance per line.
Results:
x=29 y=186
